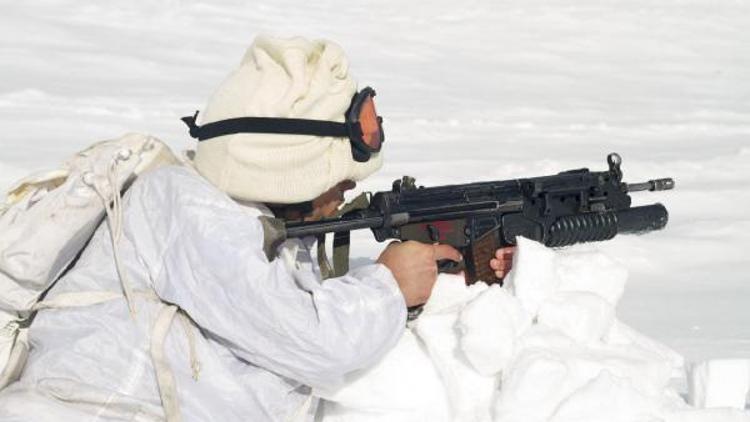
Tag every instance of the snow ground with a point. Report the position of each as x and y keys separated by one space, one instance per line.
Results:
x=550 y=340
x=472 y=90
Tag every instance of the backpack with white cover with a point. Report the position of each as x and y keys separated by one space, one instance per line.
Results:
x=47 y=220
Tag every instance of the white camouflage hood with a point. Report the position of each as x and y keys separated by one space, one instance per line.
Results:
x=292 y=78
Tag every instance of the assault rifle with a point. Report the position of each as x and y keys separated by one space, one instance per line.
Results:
x=478 y=218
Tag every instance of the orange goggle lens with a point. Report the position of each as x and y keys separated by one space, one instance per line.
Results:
x=370 y=124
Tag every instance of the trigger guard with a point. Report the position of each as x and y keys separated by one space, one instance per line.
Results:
x=450 y=267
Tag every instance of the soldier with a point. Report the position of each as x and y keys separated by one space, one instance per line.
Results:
x=260 y=331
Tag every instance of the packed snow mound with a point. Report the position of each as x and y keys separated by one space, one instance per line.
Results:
x=546 y=347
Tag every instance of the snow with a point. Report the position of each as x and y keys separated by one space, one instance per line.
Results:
x=585 y=317
x=535 y=265
x=576 y=270
x=475 y=90
x=489 y=327
x=566 y=359
x=404 y=386
x=720 y=383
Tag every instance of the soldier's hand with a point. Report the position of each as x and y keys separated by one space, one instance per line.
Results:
x=414 y=266
x=503 y=261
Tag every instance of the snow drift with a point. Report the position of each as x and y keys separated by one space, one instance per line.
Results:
x=547 y=346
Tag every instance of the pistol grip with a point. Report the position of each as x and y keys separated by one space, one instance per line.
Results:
x=480 y=252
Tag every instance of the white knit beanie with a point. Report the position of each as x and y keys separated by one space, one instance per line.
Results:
x=293 y=78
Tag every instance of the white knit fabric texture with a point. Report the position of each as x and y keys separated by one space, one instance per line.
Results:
x=295 y=78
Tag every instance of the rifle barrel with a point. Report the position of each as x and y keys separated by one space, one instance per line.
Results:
x=314 y=228
x=651 y=185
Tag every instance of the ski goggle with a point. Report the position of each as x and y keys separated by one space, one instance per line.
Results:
x=362 y=126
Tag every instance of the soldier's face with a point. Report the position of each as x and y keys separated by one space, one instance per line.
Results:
x=329 y=201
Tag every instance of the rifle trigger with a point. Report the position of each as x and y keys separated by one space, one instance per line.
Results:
x=434 y=233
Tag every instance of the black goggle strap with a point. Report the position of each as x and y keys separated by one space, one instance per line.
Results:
x=276 y=125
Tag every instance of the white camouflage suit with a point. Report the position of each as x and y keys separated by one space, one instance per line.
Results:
x=264 y=333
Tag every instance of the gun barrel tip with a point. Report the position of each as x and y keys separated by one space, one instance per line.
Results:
x=664 y=184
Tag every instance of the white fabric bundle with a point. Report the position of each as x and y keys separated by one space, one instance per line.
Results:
x=47 y=220
x=50 y=216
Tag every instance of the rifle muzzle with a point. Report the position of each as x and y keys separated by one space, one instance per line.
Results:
x=651 y=185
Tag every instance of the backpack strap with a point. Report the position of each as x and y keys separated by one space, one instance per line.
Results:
x=159 y=330
x=164 y=375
